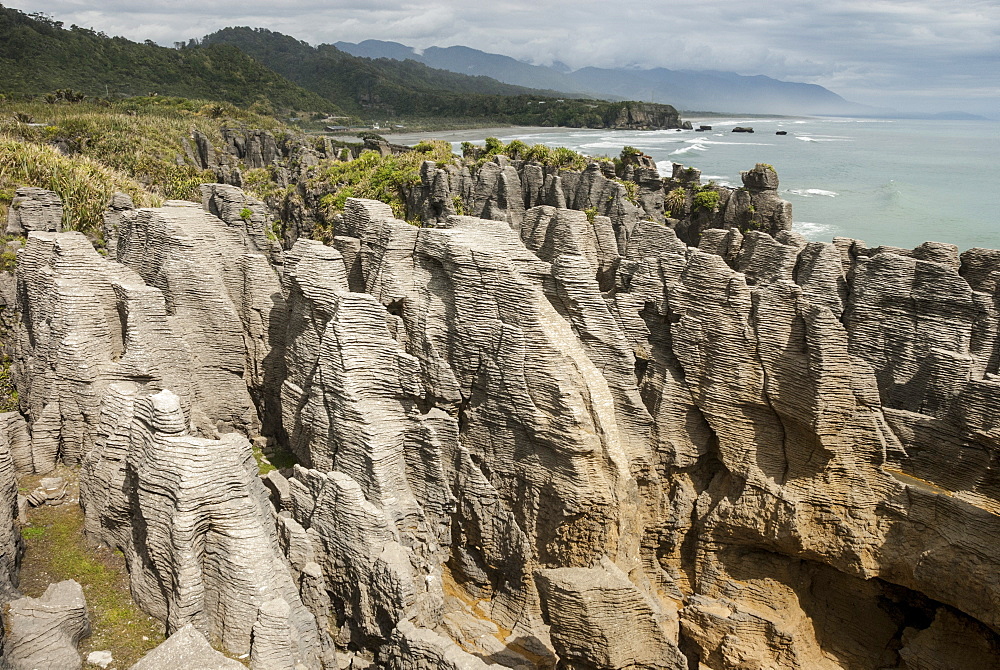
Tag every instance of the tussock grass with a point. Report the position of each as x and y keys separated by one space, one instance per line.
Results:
x=135 y=146
x=84 y=185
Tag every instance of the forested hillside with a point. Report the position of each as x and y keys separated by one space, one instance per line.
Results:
x=388 y=88
x=269 y=72
x=39 y=55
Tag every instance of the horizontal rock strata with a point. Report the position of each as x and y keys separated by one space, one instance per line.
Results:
x=44 y=632
x=187 y=649
x=531 y=439
x=191 y=517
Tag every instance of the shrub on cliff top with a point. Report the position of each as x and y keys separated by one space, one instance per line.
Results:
x=706 y=200
x=374 y=176
x=141 y=138
x=559 y=157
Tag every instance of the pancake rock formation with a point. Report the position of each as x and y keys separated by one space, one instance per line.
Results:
x=536 y=439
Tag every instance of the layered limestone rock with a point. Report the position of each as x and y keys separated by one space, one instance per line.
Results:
x=187 y=649
x=223 y=296
x=34 y=209
x=533 y=439
x=747 y=442
x=496 y=353
x=191 y=306
x=119 y=205
x=44 y=632
x=86 y=323
x=191 y=517
x=599 y=620
x=11 y=544
x=646 y=116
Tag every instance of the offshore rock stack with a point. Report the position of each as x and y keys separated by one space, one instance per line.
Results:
x=529 y=438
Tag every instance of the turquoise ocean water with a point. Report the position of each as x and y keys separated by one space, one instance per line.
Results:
x=894 y=182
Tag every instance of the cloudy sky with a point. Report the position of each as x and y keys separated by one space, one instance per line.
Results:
x=931 y=55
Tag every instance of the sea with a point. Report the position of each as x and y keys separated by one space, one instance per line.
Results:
x=885 y=181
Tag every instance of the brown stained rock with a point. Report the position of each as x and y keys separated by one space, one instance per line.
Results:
x=763 y=452
x=600 y=620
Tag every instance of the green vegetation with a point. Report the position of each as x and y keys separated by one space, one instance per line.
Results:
x=559 y=157
x=56 y=550
x=261 y=183
x=631 y=191
x=276 y=460
x=32 y=532
x=8 y=257
x=676 y=200
x=373 y=176
x=707 y=200
x=38 y=56
x=129 y=145
x=85 y=185
x=405 y=90
x=269 y=72
x=8 y=392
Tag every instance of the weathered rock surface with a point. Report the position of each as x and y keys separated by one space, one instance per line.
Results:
x=534 y=439
x=34 y=209
x=120 y=203
x=191 y=306
x=221 y=293
x=44 y=632
x=187 y=649
x=11 y=544
x=191 y=517
x=599 y=620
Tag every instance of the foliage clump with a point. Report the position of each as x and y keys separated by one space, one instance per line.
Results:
x=559 y=157
x=676 y=200
x=706 y=200
x=374 y=176
x=84 y=185
x=86 y=151
x=631 y=191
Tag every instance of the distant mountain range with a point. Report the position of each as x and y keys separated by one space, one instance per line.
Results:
x=684 y=89
x=406 y=88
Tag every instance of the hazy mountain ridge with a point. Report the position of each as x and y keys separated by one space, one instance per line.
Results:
x=411 y=89
x=684 y=89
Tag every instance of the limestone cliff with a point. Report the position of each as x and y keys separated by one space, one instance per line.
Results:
x=530 y=438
